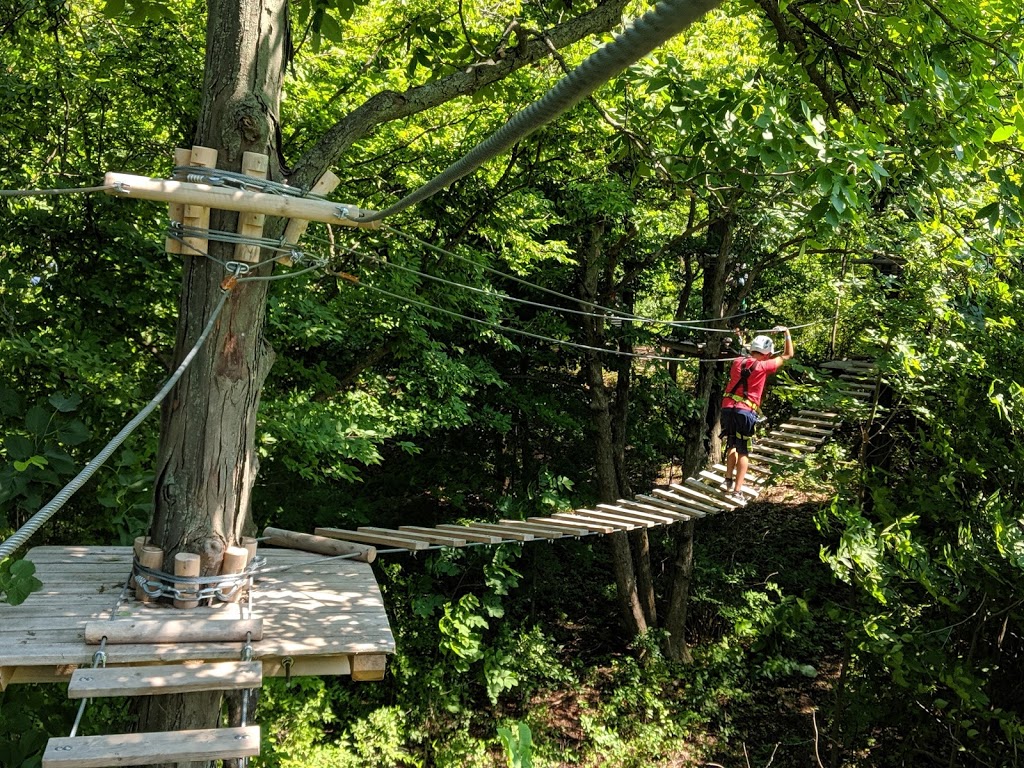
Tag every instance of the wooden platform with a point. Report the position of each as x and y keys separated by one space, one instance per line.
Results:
x=326 y=616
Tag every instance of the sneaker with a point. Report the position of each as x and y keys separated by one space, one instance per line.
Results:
x=737 y=498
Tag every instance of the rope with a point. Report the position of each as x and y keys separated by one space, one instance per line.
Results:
x=663 y=22
x=41 y=192
x=22 y=535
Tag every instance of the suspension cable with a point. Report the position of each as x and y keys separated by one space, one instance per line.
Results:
x=658 y=25
x=22 y=535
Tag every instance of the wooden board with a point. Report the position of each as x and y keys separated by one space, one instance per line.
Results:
x=684 y=501
x=660 y=505
x=715 y=481
x=150 y=748
x=461 y=531
x=433 y=538
x=616 y=518
x=583 y=516
x=574 y=526
x=171 y=630
x=162 y=679
x=635 y=514
x=318 y=607
x=369 y=538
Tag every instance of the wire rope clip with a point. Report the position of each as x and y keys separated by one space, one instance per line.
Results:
x=287 y=661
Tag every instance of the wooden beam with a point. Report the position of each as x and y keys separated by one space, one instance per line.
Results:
x=297 y=227
x=702 y=489
x=368 y=667
x=169 y=678
x=175 y=210
x=250 y=224
x=616 y=517
x=436 y=537
x=149 y=748
x=715 y=481
x=321 y=545
x=227 y=199
x=191 y=630
x=663 y=506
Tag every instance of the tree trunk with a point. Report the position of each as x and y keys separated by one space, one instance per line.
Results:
x=701 y=440
x=633 y=612
x=207 y=461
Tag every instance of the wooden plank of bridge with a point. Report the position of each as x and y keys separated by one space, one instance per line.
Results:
x=763 y=449
x=371 y=538
x=150 y=748
x=795 y=426
x=634 y=514
x=615 y=517
x=825 y=417
x=755 y=474
x=584 y=516
x=546 y=530
x=496 y=530
x=687 y=493
x=716 y=494
x=643 y=507
x=781 y=444
x=467 y=534
x=192 y=630
x=668 y=500
x=574 y=526
x=167 y=678
x=715 y=481
x=849 y=365
x=430 y=538
x=519 y=526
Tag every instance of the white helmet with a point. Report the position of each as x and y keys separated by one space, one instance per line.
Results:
x=762 y=344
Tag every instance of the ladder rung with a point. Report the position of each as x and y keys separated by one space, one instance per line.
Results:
x=171 y=678
x=151 y=748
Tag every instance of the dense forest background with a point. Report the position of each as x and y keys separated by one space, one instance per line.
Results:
x=852 y=170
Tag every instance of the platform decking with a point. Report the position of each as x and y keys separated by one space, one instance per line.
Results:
x=326 y=616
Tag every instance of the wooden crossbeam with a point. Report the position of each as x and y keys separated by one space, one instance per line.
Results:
x=463 y=531
x=227 y=199
x=797 y=427
x=149 y=748
x=684 y=504
x=663 y=506
x=322 y=545
x=433 y=536
x=124 y=631
x=519 y=526
x=615 y=517
x=803 y=447
x=684 y=494
x=714 y=494
x=101 y=682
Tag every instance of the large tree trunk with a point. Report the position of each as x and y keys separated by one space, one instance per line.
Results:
x=701 y=440
x=207 y=462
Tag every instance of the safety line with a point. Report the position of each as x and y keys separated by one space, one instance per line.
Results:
x=688 y=324
x=660 y=24
x=560 y=342
x=43 y=192
x=19 y=537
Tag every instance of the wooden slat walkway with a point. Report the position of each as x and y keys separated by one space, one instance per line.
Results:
x=327 y=616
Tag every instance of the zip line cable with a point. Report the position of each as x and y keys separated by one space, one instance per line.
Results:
x=19 y=537
x=657 y=26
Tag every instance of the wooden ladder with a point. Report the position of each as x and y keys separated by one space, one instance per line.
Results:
x=150 y=748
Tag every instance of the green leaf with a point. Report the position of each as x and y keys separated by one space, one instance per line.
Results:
x=114 y=8
x=37 y=420
x=65 y=403
x=19 y=448
x=1002 y=133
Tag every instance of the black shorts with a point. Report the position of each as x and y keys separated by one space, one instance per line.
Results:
x=738 y=429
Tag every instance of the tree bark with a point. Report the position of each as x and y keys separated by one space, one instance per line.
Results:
x=701 y=437
x=207 y=462
x=633 y=613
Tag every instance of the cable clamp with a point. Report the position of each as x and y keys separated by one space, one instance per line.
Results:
x=237 y=268
x=123 y=187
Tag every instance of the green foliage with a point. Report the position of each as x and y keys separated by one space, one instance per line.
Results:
x=518 y=745
x=17 y=580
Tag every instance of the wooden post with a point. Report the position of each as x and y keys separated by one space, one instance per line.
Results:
x=176 y=211
x=250 y=545
x=251 y=224
x=233 y=563
x=150 y=557
x=297 y=227
x=186 y=564
x=140 y=542
x=195 y=215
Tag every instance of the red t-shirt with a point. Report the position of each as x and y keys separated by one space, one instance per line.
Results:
x=759 y=370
